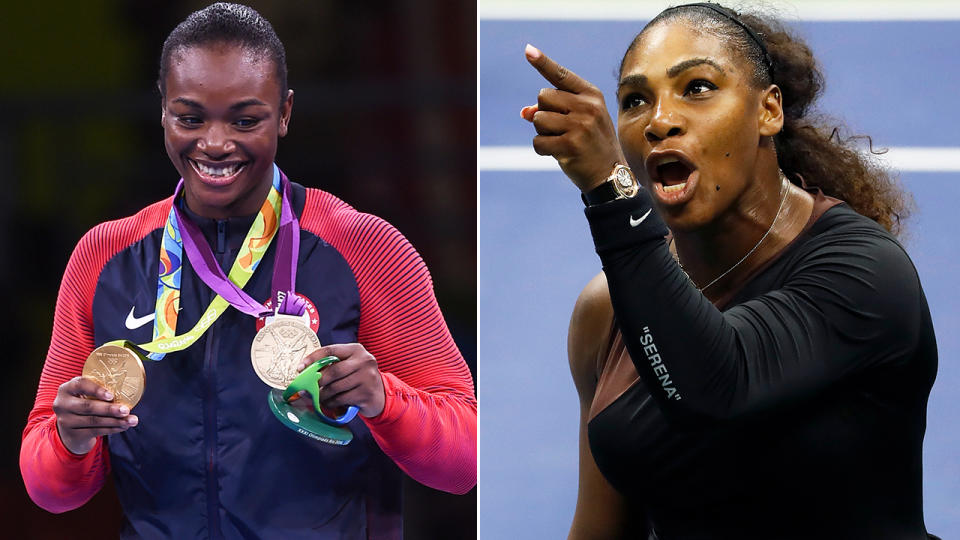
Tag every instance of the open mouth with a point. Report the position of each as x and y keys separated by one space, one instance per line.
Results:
x=673 y=176
x=217 y=174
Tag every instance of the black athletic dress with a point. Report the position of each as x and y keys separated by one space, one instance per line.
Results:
x=795 y=410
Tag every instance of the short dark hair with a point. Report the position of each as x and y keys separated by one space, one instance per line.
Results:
x=233 y=24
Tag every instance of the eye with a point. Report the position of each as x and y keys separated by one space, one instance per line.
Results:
x=246 y=122
x=189 y=121
x=700 y=86
x=632 y=100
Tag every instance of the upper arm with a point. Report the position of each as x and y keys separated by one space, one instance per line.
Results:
x=601 y=511
x=400 y=321
x=851 y=305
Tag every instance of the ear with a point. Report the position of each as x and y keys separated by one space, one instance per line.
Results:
x=163 y=106
x=770 y=118
x=286 y=109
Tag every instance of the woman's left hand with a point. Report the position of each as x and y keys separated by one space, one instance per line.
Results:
x=354 y=380
x=572 y=124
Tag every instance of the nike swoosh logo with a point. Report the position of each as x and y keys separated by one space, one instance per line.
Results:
x=633 y=222
x=132 y=323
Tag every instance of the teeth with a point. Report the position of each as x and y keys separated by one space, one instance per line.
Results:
x=217 y=171
x=675 y=187
x=667 y=160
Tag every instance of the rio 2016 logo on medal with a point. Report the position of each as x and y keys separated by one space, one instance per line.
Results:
x=309 y=316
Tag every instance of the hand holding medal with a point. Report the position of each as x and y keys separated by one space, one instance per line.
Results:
x=333 y=377
x=84 y=412
x=354 y=380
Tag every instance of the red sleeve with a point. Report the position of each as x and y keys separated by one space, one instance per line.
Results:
x=56 y=479
x=429 y=422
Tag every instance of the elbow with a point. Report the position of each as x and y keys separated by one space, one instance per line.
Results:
x=689 y=411
x=457 y=478
x=47 y=488
x=51 y=504
x=46 y=497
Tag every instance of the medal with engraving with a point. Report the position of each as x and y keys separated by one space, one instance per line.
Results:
x=119 y=370
x=279 y=347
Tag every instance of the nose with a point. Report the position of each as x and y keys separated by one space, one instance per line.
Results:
x=664 y=123
x=216 y=141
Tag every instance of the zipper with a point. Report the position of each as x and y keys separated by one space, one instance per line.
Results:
x=221 y=235
x=210 y=435
x=210 y=408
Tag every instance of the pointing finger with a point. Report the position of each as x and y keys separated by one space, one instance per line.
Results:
x=527 y=112
x=553 y=72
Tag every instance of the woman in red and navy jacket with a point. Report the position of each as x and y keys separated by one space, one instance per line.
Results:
x=203 y=456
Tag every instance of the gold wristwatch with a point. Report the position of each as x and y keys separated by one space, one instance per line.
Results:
x=621 y=184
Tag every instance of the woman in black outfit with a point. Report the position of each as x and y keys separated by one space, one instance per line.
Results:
x=774 y=383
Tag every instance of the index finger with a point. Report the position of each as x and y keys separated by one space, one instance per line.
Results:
x=554 y=73
x=87 y=387
x=341 y=351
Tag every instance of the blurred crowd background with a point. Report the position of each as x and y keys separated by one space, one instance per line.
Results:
x=384 y=117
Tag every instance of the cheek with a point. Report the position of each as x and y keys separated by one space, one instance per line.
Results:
x=635 y=147
x=172 y=145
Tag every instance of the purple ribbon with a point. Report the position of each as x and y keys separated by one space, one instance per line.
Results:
x=284 y=262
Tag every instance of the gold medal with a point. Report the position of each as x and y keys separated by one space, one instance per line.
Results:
x=279 y=347
x=119 y=370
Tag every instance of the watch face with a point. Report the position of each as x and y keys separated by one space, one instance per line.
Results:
x=624 y=183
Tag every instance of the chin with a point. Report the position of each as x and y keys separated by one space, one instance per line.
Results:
x=686 y=218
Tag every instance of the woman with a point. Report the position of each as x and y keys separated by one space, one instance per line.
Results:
x=203 y=455
x=790 y=353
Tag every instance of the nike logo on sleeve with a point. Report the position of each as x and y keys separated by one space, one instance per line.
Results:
x=635 y=222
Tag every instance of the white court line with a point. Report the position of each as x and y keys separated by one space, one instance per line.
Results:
x=902 y=158
x=808 y=10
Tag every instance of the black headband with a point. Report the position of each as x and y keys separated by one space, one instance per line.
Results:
x=732 y=15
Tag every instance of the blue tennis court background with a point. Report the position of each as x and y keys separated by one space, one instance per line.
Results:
x=896 y=81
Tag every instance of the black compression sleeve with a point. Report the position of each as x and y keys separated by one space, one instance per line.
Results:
x=851 y=300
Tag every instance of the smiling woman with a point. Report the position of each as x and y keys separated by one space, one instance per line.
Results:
x=241 y=251
x=222 y=118
x=755 y=360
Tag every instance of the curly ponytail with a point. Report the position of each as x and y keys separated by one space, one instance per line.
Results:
x=810 y=146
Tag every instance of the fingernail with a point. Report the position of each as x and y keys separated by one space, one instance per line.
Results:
x=108 y=396
x=124 y=411
x=523 y=112
x=532 y=52
x=133 y=420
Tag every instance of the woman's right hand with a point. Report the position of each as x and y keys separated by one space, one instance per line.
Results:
x=572 y=124
x=84 y=412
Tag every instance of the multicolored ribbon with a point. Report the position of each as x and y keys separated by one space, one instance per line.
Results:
x=180 y=234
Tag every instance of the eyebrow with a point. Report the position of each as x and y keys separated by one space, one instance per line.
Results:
x=641 y=80
x=236 y=106
x=687 y=64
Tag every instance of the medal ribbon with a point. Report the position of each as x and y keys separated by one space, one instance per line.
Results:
x=276 y=213
x=284 y=268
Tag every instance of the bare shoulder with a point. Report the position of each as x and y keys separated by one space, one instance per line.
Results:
x=588 y=334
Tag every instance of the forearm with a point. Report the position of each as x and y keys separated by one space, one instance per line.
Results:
x=660 y=314
x=432 y=436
